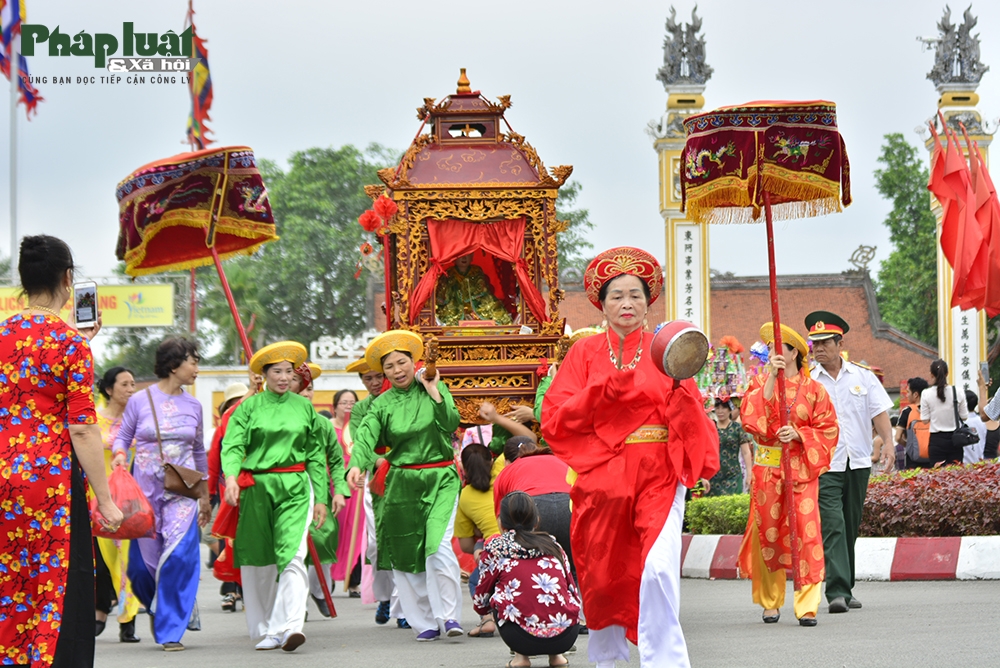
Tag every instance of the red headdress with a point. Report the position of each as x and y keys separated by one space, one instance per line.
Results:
x=616 y=262
x=305 y=373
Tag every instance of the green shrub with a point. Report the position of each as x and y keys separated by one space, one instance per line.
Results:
x=718 y=514
x=946 y=501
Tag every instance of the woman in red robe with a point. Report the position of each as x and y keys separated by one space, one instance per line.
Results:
x=810 y=435
x=637 y=439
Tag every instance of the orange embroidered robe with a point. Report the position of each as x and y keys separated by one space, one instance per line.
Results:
x=812 y=414
x=624 y=492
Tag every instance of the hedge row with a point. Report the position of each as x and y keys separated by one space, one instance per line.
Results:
x=947 y=501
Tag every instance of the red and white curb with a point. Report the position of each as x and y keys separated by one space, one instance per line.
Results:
x=965 y=558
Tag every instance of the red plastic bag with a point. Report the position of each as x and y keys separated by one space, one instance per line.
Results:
x=224 y=570
x=139 y=521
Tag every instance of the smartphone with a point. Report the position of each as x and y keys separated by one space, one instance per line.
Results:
x=85 y=304
x=984 y=371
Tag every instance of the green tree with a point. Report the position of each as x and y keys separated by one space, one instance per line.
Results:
x=303 y=285
x=907 y=281
x=4 y=269
x=574 y=247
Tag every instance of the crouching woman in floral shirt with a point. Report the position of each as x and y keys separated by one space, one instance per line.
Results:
x=525 y=583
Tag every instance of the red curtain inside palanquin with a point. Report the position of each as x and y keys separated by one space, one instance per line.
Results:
x=503 y=239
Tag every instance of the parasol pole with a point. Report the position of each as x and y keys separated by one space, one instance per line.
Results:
x=786 y=465
x=249 y=353
x=354 y=541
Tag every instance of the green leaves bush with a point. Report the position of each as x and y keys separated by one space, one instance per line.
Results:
x=948 y=501
x=718 y=514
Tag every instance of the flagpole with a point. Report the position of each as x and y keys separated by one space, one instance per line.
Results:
x=15 y=74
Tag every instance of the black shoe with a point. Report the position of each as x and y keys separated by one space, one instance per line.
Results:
x=584 y=631
x=770 y=619
x=321 y=604
x=853 y=603
x=807 y=621
x=382 y=613
x=402 y=623
x=354 y=593
x=126 y=632
x=839 y=604
x=99 y=628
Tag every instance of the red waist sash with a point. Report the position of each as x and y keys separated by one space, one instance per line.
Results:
x=228 y=516
x=245 y=478
x=377 y=483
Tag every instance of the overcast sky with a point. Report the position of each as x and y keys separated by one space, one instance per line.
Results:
x=293 y=75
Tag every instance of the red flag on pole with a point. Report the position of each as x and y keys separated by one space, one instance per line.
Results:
x=988 y=215
x=943 y=194
x=969 y=286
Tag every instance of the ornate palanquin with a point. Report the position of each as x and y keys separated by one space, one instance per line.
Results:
x=465 y=170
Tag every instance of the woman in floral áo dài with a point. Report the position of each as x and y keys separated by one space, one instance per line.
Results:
x=49 y=430
x=810 y=437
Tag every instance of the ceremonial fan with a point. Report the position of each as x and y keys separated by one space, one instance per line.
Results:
x=192 y=210
x=785 y=158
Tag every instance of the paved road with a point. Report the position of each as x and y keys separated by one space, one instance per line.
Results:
x=902 y=624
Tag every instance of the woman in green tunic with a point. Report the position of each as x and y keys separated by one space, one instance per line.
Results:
x=274 y=460
x=415 y=418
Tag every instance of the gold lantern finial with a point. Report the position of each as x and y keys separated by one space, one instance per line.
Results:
x=464 y=85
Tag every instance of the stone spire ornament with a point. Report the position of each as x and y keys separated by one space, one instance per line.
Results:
x=684 y=54
x=956 y=57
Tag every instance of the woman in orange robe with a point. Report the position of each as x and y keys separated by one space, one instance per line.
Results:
x=811 y=435
x=637 y=439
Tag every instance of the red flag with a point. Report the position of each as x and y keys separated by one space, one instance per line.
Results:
x=969 y=287
x=988 y=215
x=943 y=194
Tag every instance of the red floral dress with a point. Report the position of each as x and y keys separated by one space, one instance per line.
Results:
x=46 y=376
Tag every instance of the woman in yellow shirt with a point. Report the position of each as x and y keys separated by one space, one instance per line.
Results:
x=475 y=520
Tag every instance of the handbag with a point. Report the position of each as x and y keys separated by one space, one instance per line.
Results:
x=178 y=480
x=964 y=434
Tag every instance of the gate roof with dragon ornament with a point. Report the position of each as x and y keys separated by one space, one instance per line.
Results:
x=471 y=166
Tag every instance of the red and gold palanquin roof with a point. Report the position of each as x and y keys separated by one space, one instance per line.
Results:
x=466 y=147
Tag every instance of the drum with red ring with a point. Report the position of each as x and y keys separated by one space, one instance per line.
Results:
x=679 y=349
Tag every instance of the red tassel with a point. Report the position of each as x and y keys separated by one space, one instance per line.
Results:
x=543 y=367
x=377 y=483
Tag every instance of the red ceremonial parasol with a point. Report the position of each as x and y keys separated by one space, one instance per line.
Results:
x=785 y=158
x=192 y=210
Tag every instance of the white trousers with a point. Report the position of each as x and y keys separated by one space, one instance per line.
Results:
x=275 y=604
x=314 y=587
x=431 y=598
x=383 y=584
x=661 y=640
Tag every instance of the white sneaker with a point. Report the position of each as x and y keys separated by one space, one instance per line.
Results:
x=291 y=640
x=269 y=642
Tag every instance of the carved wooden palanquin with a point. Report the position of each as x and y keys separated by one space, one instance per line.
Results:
x=465 y=168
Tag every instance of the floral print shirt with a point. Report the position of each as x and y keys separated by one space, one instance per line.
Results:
x=526 y=587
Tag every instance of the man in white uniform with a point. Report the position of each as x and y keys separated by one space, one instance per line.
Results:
x=860 y=401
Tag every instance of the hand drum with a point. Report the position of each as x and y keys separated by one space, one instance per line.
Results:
x=679 y=349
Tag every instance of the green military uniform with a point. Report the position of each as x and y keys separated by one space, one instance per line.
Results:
x=268 y=431
x=418 y=503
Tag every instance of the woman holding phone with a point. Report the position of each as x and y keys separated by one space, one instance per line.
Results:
x=50 y=430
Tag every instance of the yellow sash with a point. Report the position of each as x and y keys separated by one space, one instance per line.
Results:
x=767 y=455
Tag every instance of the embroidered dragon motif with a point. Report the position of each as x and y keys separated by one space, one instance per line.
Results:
x=694 y=163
